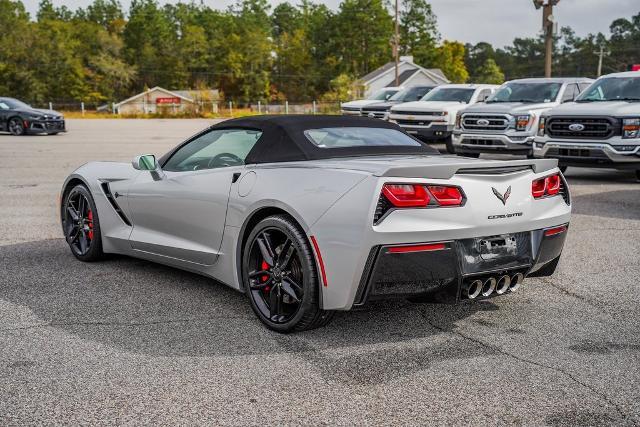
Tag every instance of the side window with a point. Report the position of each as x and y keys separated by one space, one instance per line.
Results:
x=215 y=149
x=584 y=86
x=570 y=93
x=4 y=106
x=484 y=94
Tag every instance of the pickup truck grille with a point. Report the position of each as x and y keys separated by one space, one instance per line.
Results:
x=378 y=113
x=414 y=122
x=487 y=122
x=582 y=127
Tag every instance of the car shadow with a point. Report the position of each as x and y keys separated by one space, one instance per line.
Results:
x=142 y=307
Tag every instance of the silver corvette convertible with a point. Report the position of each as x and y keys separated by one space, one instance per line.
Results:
x=307 y=215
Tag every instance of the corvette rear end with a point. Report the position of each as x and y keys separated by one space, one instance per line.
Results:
x=456 y=230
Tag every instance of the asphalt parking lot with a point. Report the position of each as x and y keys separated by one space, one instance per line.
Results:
x=129 y=342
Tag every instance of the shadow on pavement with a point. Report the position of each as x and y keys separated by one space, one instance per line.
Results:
x=145 y=308
x=622 y=204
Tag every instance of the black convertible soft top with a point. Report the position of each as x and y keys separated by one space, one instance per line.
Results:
x=283 y=138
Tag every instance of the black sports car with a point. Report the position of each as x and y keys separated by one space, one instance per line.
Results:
x=21 y=119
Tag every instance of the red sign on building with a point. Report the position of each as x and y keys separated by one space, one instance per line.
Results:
x=635 y=67
x=173 y=100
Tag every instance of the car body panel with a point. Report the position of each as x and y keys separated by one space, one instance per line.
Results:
x=197 y=220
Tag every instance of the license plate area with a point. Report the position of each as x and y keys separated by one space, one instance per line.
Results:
x=490 y=253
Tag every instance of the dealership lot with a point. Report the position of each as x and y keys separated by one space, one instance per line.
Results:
x=128 y=341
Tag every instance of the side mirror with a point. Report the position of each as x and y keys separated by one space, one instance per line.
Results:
x=145 y=162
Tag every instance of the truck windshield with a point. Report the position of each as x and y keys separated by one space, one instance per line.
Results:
x=526 y=92
x=383 y=95
x=411 y=94
x=450 y=94
x=612 y=89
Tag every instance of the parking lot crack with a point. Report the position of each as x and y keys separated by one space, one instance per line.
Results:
x=521 y=359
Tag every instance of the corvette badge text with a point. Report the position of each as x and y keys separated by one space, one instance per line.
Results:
x=509 y=215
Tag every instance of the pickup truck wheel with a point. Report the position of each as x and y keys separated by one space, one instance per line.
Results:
x=450 y=148
x=638 y=174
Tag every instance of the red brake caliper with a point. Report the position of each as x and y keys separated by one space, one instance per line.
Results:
x=90 y=223
x=264 y=278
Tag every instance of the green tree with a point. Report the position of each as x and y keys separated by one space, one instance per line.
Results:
x=418 y=30
x=488 y=73
x=449 y=57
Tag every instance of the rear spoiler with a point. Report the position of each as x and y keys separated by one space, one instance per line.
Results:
x=471 y=167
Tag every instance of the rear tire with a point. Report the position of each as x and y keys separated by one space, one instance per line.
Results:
x=638 y=174
x=280 y=277
x=81 y=225
x=474 y=155
x=16 y=126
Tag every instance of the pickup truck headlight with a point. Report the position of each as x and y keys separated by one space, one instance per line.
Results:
x=459 y=120
x=541 y=126
x=630 y=128
x=523 y=121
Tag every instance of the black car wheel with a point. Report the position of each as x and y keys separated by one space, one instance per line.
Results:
x=280 y=276
x=16 y=127
x=638 y=174
x=450 y=148
x=81 y=224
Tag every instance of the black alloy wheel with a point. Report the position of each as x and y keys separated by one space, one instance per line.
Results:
x=16 y=127
x=81 y=225
x=281 y=277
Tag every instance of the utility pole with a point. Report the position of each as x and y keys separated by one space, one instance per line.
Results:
x=600 y=56
x=548 y=24
x=396 y=46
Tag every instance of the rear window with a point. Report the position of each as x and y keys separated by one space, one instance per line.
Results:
x=343 y=137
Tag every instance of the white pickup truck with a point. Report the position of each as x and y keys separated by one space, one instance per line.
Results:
x=600 y=129
x=432 y=119
x=352 y=108
x=508 y=121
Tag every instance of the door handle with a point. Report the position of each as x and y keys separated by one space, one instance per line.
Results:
x=235 y=177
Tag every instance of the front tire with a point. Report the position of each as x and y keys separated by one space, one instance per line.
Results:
x=81 y=225
x=280 y=276
x=450 y=148
x=16 y=126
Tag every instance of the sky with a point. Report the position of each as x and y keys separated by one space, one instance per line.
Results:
x=470 y=21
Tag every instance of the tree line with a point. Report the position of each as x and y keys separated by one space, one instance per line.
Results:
x=252 y=52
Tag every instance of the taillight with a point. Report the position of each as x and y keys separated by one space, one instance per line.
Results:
x=406 y=195
x=547 y=186
x=445 y=195
x=420 y=196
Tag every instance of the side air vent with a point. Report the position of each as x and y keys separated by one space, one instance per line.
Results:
x=564 y=190
x=382 y=208
x=112 y=200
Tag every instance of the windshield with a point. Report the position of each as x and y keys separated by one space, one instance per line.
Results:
x=527 y=92
x=383 y=94
x=411 y=94
x=14 y=103
x=450 y=94
x=612 y=89
x=359 y=137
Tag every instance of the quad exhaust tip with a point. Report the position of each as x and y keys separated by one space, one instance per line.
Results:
x=473 y=289
x=503 y=284
x=516 y=281
x=488 y=286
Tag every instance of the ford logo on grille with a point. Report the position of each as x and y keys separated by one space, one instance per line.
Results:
x=371 y=115
x=576 y=127
x=483 y=122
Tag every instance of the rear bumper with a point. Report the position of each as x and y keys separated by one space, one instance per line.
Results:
x=443 y=268
x=488 y=143
x=45 y=126
x=624 y=155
